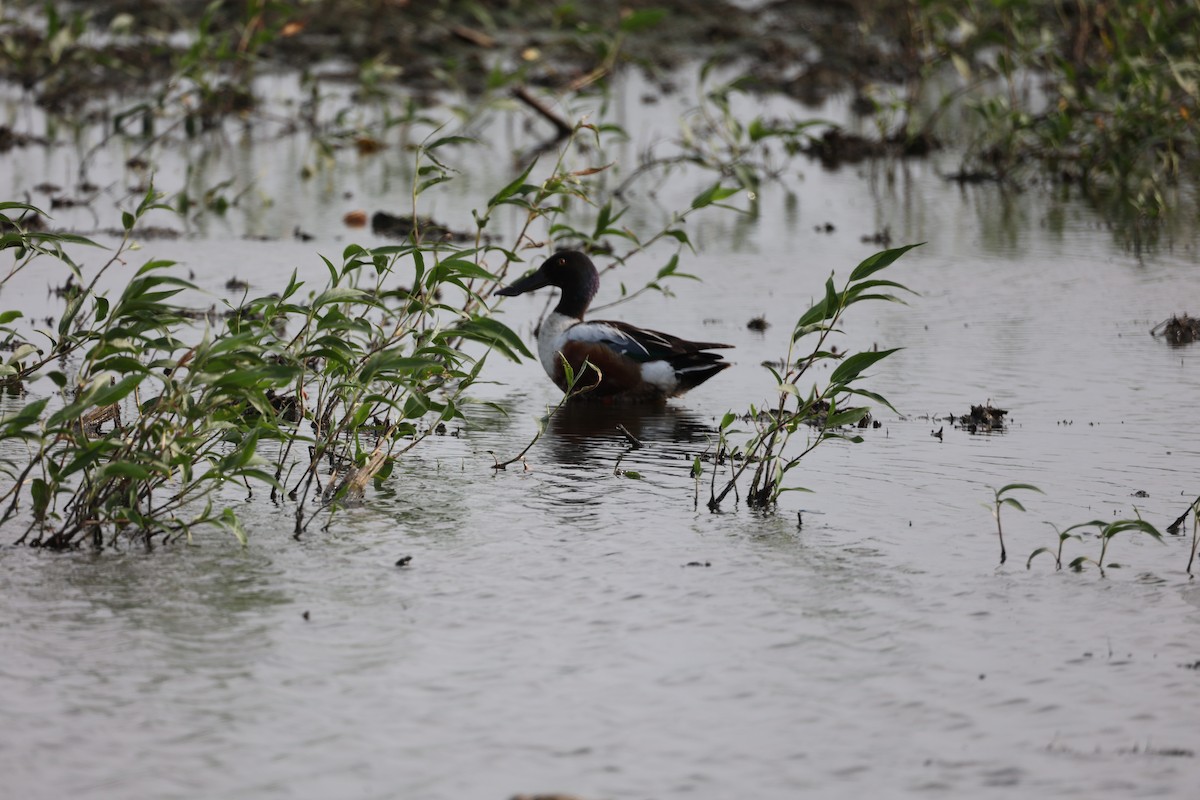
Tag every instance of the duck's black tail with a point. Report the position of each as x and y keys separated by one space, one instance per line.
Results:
x=694 y=369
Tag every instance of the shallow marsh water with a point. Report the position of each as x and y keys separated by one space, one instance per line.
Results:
x=563 y=628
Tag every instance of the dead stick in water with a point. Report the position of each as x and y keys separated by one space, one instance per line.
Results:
x=1174 y=526
x=563 y=127
x=634 y=442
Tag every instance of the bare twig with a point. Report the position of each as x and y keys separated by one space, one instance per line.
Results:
x=563 y=127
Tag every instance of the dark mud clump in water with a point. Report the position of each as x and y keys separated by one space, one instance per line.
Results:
x=982 y=419
x=758 y=324
x=1178 y=329
x=403 y=226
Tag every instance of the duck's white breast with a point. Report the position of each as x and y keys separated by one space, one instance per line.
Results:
x=551 y=338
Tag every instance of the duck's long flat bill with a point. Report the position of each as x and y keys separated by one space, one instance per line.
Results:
x=534 y=280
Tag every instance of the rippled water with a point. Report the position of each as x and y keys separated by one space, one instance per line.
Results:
x=564 y=628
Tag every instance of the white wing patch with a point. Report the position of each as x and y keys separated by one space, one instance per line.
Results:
x=602 y=332
x=660 y=374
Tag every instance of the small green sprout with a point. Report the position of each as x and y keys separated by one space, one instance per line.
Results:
x=1000 y=501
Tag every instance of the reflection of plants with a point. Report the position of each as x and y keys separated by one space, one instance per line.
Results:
x=1000 y=500
x=827 y=410
x=716 y=137
x=573 y=391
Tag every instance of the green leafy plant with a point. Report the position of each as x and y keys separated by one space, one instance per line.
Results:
x=1001 y=499
x=371 y=371
x=1102 y=94
x=1057 y=552
x=1106 y=531
x=827 y=410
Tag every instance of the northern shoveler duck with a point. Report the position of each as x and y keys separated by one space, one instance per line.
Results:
x=635 y=364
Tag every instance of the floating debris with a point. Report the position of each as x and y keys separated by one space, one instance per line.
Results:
x=287 y=406
x=759 y=324
x=403 y=226
x=10 y=139
x=882 y=238
x=1178 y=329
x=982 y=419
x=91 y=421
x=836 y=147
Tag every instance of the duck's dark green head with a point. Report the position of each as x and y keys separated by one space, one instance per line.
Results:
x=569 y=270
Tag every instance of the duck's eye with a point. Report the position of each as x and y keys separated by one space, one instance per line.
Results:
x=562 y=262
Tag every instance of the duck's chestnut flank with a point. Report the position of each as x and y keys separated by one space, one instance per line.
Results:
x=635 y=364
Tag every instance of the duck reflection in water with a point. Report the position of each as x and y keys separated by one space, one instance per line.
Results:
x=581 y=433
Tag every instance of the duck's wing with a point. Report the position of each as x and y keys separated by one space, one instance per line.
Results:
x=641 y=344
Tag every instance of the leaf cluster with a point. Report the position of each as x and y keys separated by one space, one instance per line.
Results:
x=831 y=409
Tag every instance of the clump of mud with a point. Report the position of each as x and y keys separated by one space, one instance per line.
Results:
x=1178 y=329
x=982 y=419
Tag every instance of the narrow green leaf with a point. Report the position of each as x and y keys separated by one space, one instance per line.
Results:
x=851 y=416
x=122 y=469
x=641 y=20
x=495 y=333
x=1035 y=554
x=853 y=366
x=713 y=194
x=880 y=260
x=518 y=185
x=118 y=391
x=1030 y=487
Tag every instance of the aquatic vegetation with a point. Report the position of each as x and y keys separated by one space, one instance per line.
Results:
x=1001 y=498
x=1194 y=511
x=1099 y=94
x=310 y=393
x=1057 y=552
x=829 y=410
x=573 y=391
x=1106 y=532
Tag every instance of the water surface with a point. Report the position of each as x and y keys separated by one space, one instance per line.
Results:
x=562 y=627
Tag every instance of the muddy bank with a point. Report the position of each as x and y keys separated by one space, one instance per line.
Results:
x=806 y=50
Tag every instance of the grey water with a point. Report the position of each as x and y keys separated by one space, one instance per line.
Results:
x=562 y=627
